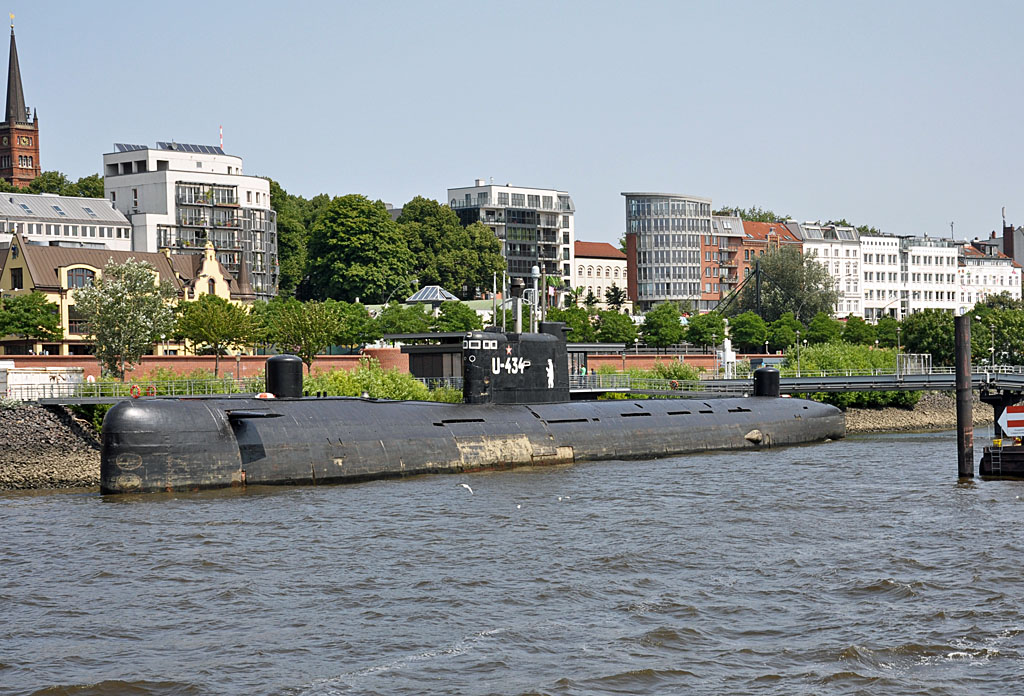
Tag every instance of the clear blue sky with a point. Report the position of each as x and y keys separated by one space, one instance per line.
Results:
x=901 y=115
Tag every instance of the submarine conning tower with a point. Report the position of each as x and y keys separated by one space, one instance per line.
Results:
x=516 y=368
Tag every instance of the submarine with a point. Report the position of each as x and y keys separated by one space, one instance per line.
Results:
x=516 y=411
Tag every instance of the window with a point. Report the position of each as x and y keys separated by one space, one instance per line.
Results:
x=80 y=277
x=17 y=281
x=581 y=272
x=89 y=211
x=135 y=197
x=60 y=212
x=211 y=287
x=518 y=200
x=502 y=198
x=113 y=196
x=29 y=210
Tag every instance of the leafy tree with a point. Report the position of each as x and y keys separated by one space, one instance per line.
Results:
x=590 y=301
x=929 y=331
x=614 y=327
x=292 y=238
x=90 y=186
x=306 y=329
x=397 y=318
x=615 y=297
x=457 y=316
x=31 y=317
x=833 y=357
x=748 y=331
x=357 y=326
x=662 y=327
x=858 y=331
x=790 y=282
x=578 y=320
x=823 y=329
x=753 y=214
x=706 y=329
x=52 y=182
x=574 y=296
x=885 y=332
x=127 y=310
x=782 y=332
x=446 y=253
x=214 y=322
x=355 y=249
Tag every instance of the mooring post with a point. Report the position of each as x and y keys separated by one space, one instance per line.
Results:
x=964 y=402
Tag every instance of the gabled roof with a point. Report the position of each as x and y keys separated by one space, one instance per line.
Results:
x=598 y=250
x=44 y=262
x=431 y=294
x=761 y=231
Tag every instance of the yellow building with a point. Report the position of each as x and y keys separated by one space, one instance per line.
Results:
x=56 y=271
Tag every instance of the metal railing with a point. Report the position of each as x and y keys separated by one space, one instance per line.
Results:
x=127 y=390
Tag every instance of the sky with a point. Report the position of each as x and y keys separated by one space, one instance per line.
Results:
x=902 y=115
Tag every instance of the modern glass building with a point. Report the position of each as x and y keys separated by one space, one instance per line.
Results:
x=663 y=246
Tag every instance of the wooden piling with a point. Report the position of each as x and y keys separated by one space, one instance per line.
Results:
x=964 y=402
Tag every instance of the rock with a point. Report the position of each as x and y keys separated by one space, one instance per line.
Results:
x=44 y=448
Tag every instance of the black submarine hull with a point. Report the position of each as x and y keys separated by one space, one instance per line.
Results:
x=192 y=444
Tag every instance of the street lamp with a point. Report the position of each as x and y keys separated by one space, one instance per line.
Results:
x=899 y=331
x=798 y=352
x=766 y=346
x=714 y=343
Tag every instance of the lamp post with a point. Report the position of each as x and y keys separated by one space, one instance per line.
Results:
x=899 y=330
x=714 y=343
x=535 y=276
x=798 y=352
x=766 y=346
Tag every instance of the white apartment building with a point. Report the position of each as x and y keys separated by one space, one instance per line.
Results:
x=838 y=249
x=931 y=273
x=882 y=286
x=177 y=196
x=535 y=225
x=70 y=221
x=984 y=271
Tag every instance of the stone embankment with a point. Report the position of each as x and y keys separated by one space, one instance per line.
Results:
x=44 y=448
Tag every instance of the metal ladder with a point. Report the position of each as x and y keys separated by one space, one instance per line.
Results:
x=995 y=460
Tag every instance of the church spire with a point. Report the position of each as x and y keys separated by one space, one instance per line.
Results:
x=16 y=112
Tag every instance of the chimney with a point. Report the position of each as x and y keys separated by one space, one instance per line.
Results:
x=479 y=182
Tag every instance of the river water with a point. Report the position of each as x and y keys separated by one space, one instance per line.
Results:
x=852 y=567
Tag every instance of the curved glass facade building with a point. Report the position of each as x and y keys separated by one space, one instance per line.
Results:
x=663 y=246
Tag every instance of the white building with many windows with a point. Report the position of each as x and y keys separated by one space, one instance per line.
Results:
x=985 y=271
x=837 y=248
x=177 y=196
x=535 y=225
x=599 y=267
x=69 y=221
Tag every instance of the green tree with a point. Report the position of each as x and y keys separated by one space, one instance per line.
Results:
x=614 y=327
x=858 y=331
x=459 y=259
x=662 y=327
x=306 y=329
x=590 y=301
x=790 y=282
x=52 y=182
x=782 y=332
x=90 y=186
x=578 y=320
x=457 y=316
x=357 y=326
x=292 y=238
x=885 y=332
x=127 y=309
x=615 y=297
x=929 y=331
x=397 y=318
x=753 y=214
x=215 y=323
x=706 y=329
x=748 y=331
x=356 y=250
x=823 y=329
x=31 y=317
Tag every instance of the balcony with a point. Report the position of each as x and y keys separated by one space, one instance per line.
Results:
x=79 y=327
x=727 y=263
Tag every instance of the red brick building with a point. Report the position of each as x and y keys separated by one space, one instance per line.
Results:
x=19 y=133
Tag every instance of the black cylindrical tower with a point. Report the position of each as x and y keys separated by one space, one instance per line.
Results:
x=766 y=382
x=284 y=376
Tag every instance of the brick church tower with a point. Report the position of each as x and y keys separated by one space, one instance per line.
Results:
x=19 y=133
